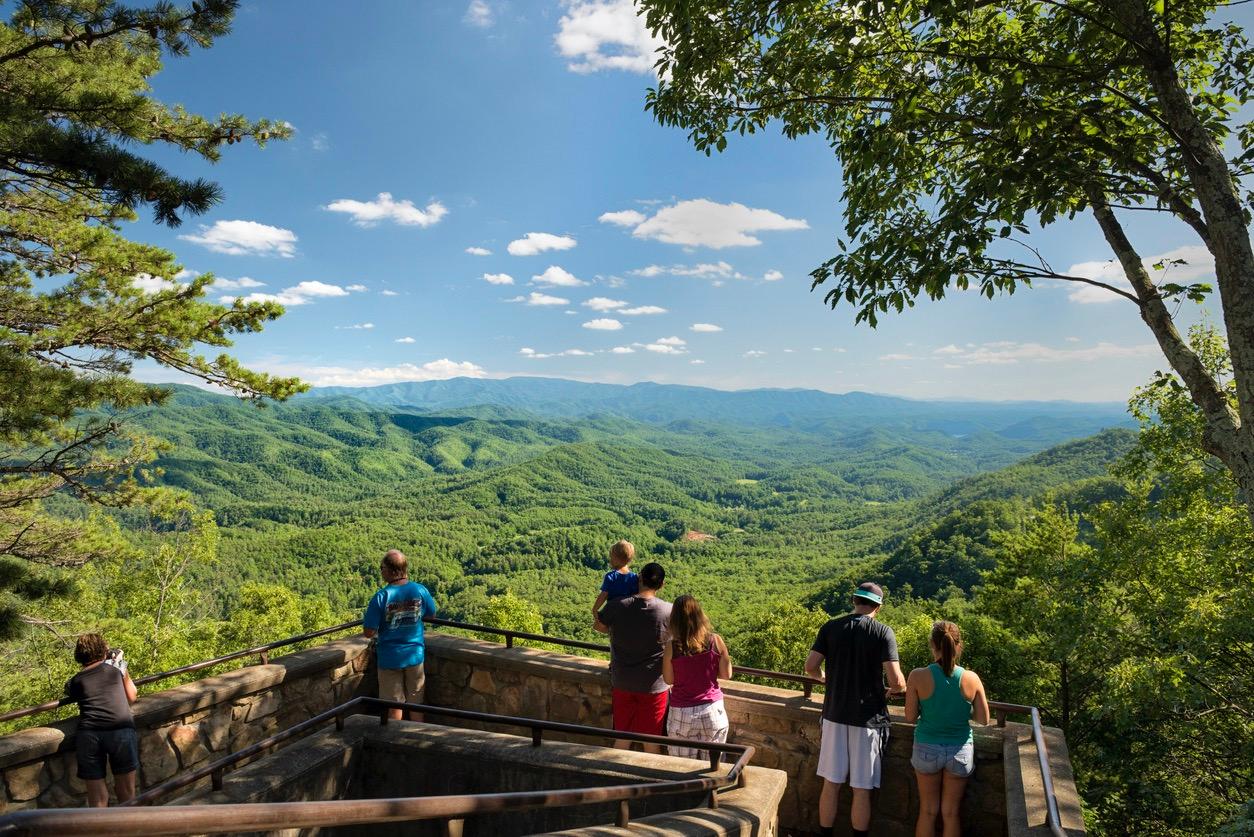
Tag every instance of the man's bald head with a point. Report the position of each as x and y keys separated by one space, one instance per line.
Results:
x=395 y=564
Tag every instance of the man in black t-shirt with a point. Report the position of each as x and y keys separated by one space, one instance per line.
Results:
x=106 y=729
x=857 y=652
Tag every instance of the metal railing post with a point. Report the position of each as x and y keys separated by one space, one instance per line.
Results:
x=536 y=734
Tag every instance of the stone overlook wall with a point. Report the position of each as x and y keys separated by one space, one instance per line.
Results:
x=188 y=725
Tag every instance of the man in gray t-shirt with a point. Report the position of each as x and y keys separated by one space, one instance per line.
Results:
x=637 y=626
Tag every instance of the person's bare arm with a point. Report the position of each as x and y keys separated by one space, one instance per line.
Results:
x=600 y=603
x=724 y=660
x=979 y=705
x=369 y=633
x=814 y=665
x=896 y=680
x=912 y=696
x=668 y=666
x=132 y=693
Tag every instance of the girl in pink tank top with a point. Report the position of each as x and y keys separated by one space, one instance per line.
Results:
x=693 y=662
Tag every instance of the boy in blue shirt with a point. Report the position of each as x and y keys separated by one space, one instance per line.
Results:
x=395 y=616
x=619 y=581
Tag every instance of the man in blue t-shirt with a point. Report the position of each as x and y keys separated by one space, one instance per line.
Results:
x=395 y=616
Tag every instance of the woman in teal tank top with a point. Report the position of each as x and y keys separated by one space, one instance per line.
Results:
x=941 y=701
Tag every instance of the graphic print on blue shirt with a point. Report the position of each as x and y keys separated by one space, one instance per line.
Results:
x=619 y=584
x=396 y=613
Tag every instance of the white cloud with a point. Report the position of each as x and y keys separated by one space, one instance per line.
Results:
x=1200 y=264
x=1073 y=339
x=356 y=288
x=951 y=349
x=704 y=223
x=625 y=218
x=601 y=303
x=707 y=328
x=664 y=349
x=696 y=362
x=436 y=370
x=498 y=278
x=671 y=341
x=534 y=243
x=772 y=276
x=603 y=324
x=192 y=274
x=704 y=270
x=231 y=284
x=405 y=340
x=534 y=355
x=643 y=310
x=623 y=350
x=478 y=251
x=320 y=142
x=299 y=294
x=384 y=208
x=479 y=14
x=896 y=356
x=605 y=35
x=356 y=327
x=1007 y=352
x=537 y=298
x=554 y=276
x=245 y=238
x=651 y=270
x=149 y=284
x=389 y=293
x=790 y=351
x=754 y=353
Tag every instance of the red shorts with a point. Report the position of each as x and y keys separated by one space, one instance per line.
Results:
x=639 y=711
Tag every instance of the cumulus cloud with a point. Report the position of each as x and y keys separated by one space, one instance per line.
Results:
x=772 y=276
x=230 y=284
x=436 y=370
x=603 y=324
x=625 y=218
x=479 y=14
x=601 y=303
x=534 y=243
x=356 y=288
x=149 y=284
x=664 y=349
x=534 y=355
x=191 y=274
x=754 y=353
x=478 y=251
x=696 y=362
x=554 y=276
x=299 y=294
x=705 y=327
x=498 y=278
x=951 y=349
x=640 y=310
x=405 y=340
x=389 y=293
x=357 y=327
x=537 y=298
x=1199 y=264
x=623 y=350
x=705 y=223
x=245 y=238
x=896 y=356
x=672 y=341
x=704 y=270
x=384 y=208
x=598 y=35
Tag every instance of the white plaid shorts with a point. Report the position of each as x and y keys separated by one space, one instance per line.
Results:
x=707 y=722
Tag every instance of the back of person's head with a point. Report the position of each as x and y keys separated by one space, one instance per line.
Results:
x=395 y=564
x=690 y=629
x=621 y=554
x=869 y=596
x=652 y=575
x=947 y=641
x=90 y=648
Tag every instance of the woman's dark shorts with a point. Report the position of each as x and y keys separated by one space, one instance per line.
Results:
x=94 y=746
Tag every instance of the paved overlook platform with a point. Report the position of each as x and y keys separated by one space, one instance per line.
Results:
x=188 y=726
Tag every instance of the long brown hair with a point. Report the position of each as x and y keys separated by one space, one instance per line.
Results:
x=947 y=640
x=690 y=629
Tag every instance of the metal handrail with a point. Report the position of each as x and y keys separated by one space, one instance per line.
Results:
x=131 y=818
x=999 y=709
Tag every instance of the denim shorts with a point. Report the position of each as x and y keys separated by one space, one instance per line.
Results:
x=956 y=759
x=119 y=747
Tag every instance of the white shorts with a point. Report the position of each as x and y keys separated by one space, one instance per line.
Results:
x=850 y=754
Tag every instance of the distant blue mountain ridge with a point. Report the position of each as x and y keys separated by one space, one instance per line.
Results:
x=664 y=404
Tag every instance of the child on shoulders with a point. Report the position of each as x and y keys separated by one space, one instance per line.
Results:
x=620 y=581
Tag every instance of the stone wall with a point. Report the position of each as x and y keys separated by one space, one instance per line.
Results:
x=187 y=725
x=782 y=724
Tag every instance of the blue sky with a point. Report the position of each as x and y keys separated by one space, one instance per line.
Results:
x=425 y=130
